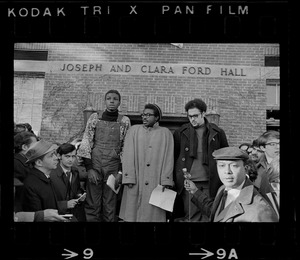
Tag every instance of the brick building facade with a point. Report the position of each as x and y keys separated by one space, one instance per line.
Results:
x=56 y=82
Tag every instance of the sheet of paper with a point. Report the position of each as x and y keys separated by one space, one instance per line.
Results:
x=111 y=183
x=164 y=200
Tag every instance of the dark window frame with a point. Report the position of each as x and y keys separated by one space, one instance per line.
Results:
x=272 y=61
x=30 y=55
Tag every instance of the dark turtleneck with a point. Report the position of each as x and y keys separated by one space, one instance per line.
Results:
x=110 y=116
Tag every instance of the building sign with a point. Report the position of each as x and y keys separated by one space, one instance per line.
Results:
x=148 y=69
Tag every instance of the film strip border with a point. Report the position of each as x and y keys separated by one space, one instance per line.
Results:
x=134 y=21
x=152 y=241
x=152 y=21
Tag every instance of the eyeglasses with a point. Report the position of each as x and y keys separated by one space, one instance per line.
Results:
x=249 y=150
x=147 y=115
x=273 y=144
x=194 y=116
x=245 y=148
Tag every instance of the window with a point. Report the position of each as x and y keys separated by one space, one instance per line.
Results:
x=30 y=55
x=273 y=94
x=272 y=61
x=29 y=90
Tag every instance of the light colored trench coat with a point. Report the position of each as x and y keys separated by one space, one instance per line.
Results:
x=147 y=161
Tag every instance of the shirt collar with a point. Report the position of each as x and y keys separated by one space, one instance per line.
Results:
x=47 y=175
x=64 y=169
x=269 y=160
x=235 y=192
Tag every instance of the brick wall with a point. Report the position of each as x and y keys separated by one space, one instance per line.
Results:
x=241 y=103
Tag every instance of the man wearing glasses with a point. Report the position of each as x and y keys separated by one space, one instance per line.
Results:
x=256 y=153
x=269 y=143
x=148 y=160
x=266 y=149
x=194 y=144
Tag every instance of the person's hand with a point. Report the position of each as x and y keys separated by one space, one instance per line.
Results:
x=118 y=181
x=190 y=186
x=186 y=174
x=80 y=197
x=72 y=203
x=166 y=187
x=51 y=215
x=93 y=176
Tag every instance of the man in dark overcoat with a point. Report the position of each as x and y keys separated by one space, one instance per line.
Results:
x=38 y=191
x=194 y=144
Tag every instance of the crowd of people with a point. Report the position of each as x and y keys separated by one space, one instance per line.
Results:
x=71 y=182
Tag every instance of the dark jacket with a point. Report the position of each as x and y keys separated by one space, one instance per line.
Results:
x=64 y=191
x=185 y=150
x=38 y=193
x=21 y=169
x=262 y=181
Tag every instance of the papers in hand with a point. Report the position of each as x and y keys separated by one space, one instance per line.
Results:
x=82 y=197
x=164 y=200
x=111 y=183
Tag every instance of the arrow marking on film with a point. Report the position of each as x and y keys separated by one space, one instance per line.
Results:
x=70 y=254
x=206 y=254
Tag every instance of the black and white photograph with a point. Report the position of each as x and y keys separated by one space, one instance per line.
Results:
x=144 y=113
x=147 y=130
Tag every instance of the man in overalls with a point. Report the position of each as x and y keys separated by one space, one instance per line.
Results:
x=101 y=149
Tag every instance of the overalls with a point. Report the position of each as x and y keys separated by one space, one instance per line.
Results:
x=101 y=201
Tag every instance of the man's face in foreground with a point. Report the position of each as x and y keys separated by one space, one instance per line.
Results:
x=231 y=173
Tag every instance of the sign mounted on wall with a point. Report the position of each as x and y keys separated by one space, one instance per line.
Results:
x=148 y=69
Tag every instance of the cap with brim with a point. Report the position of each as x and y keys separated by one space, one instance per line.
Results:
x=39 y=149
x=17 y=182
x=230 y=153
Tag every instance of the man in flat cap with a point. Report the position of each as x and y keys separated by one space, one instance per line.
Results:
x=38 y=191
x=237 y=199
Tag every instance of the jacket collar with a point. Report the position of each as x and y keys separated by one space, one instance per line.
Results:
x=61 y=174
x=40 y=175
x=59 y=170
x=236 y=207
x=212 y=128
x=263 y=162
x=217 y=202
x=155 y=126
x=21 y=158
